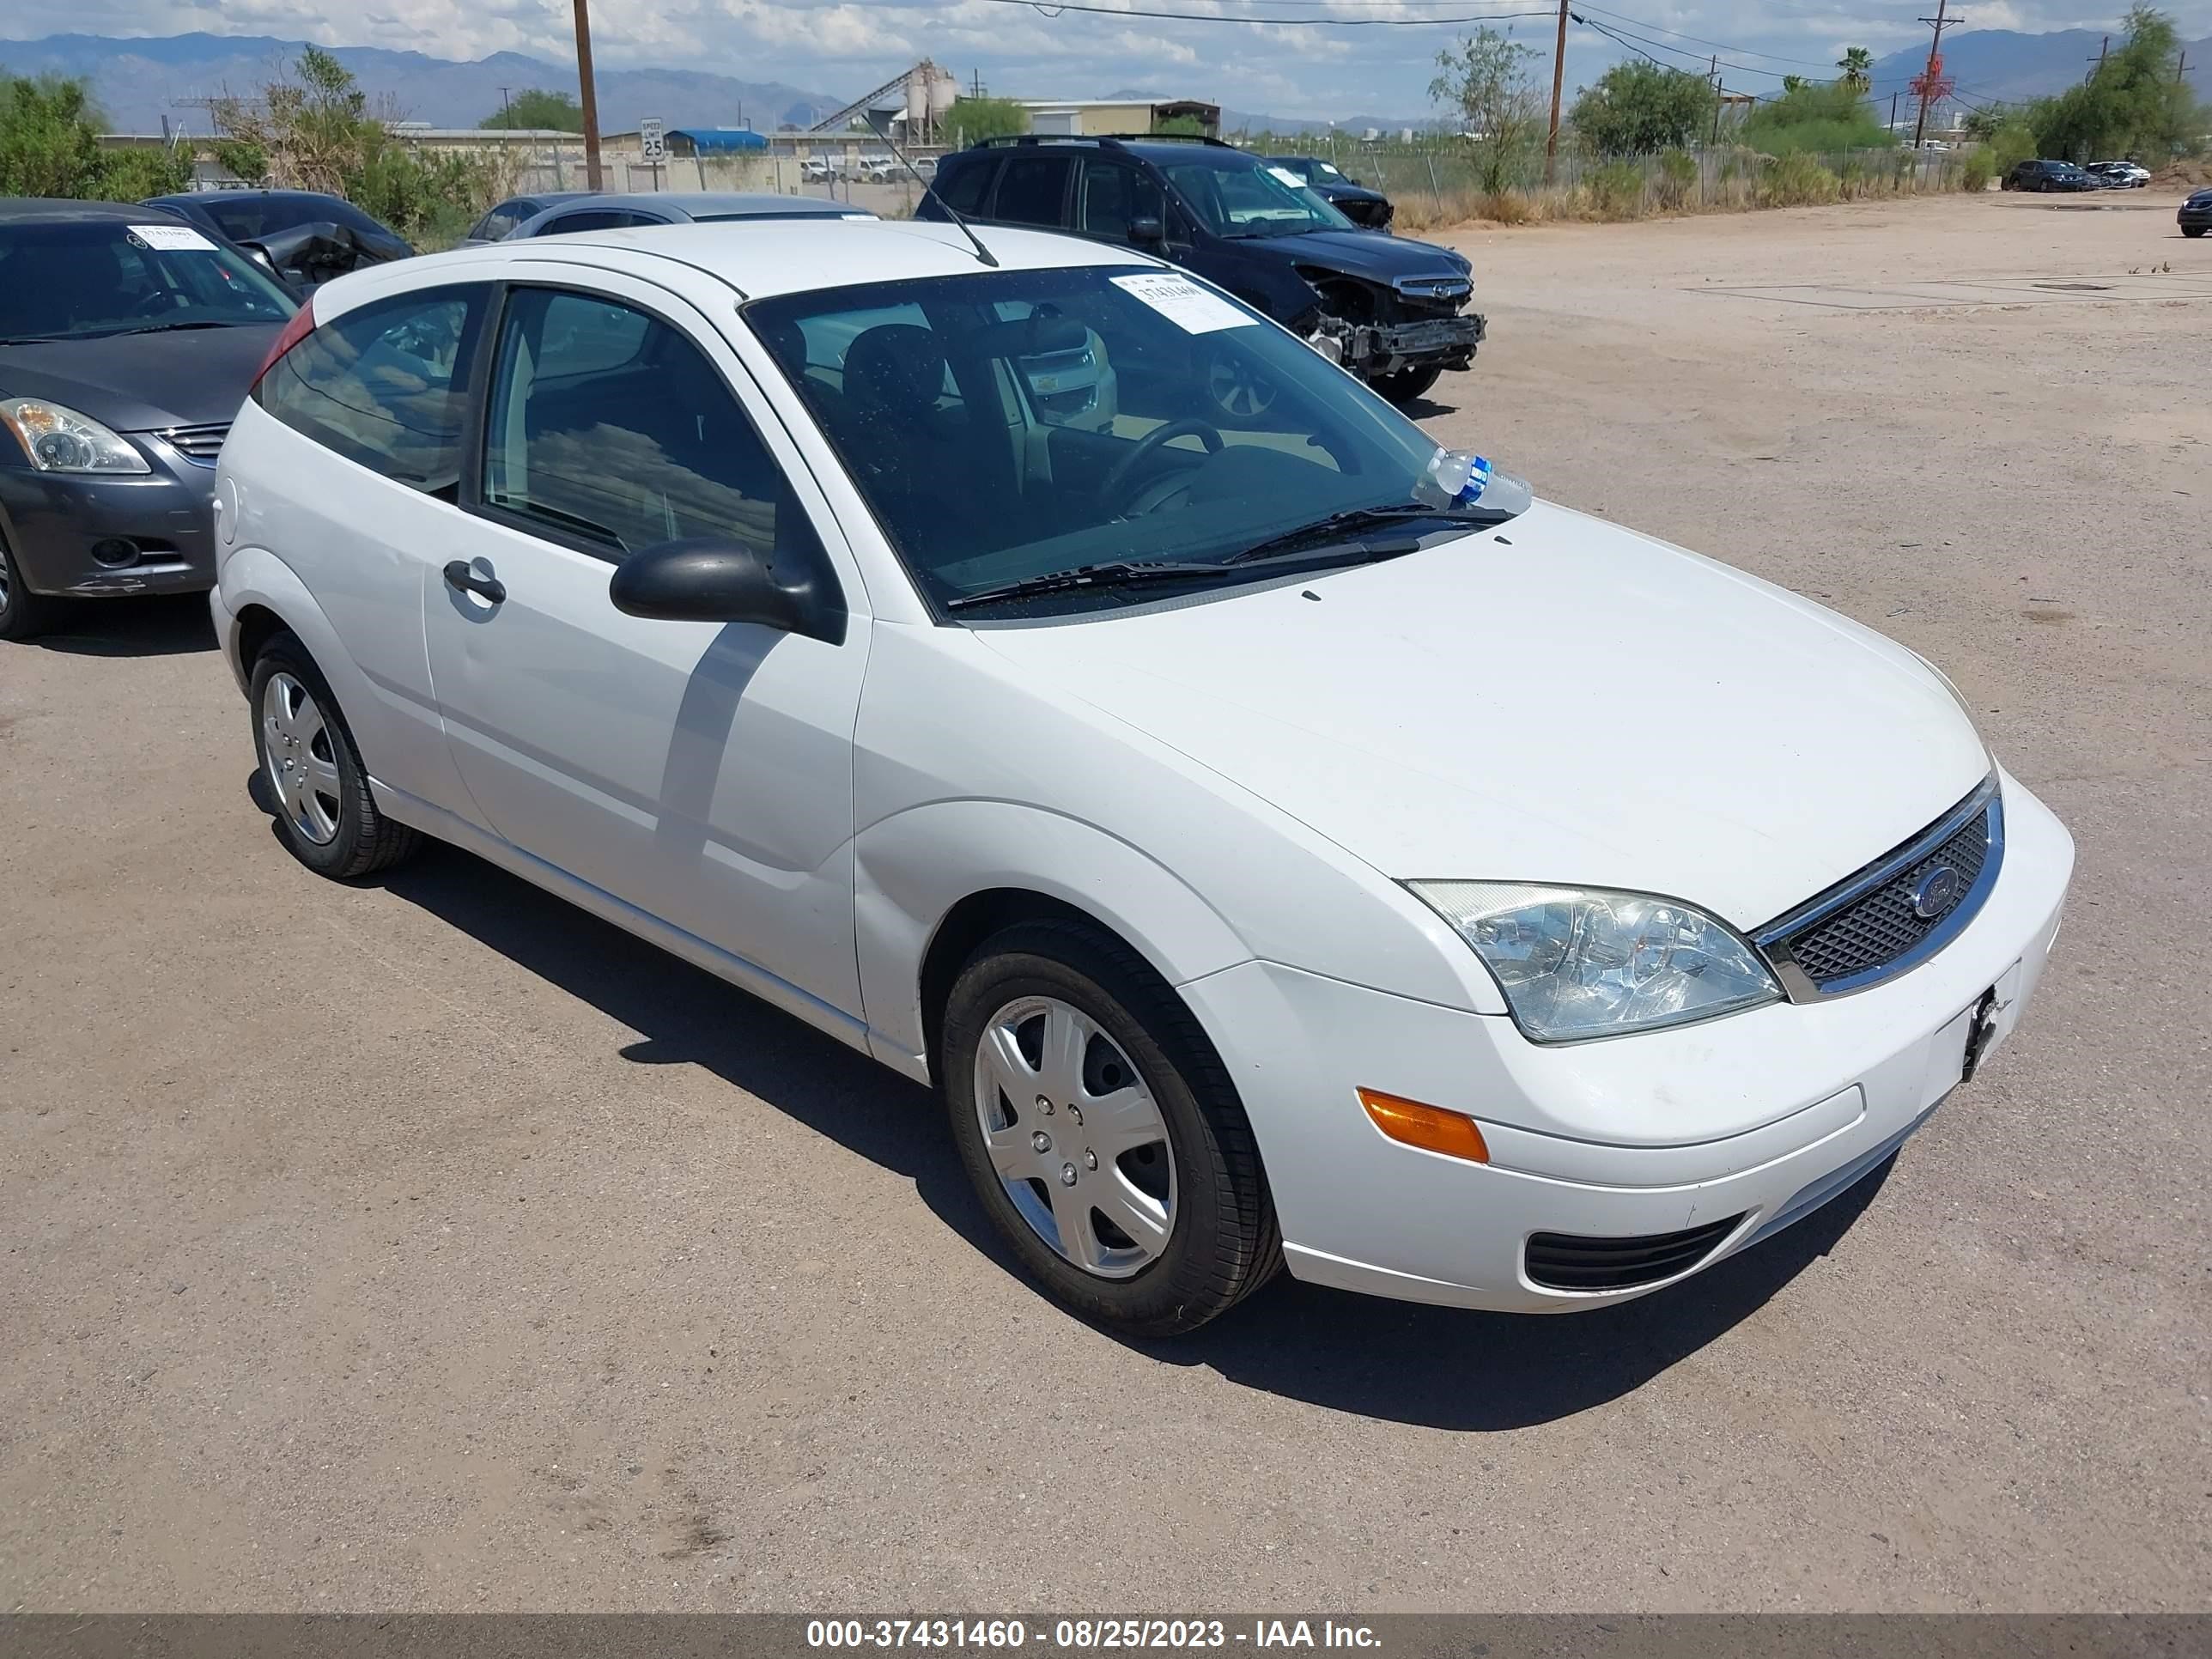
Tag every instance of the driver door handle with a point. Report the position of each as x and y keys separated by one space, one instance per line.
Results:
x=461 y=577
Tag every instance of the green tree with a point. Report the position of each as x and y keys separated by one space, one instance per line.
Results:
x=1795 y=83
x=1857 y=65
x=2134 y=104
x=1181 y=126
x=50 y=146
x=536 y=109
x=1638 y=108
x=1818 y=117
x=1485 y=80
x=985 y=118
x=314 y=130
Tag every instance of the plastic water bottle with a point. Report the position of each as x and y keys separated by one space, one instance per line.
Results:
x=1464 y=479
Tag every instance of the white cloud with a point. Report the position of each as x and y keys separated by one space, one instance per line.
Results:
x=842 y=49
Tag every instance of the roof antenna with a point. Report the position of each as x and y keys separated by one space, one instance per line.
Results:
x=929 y=190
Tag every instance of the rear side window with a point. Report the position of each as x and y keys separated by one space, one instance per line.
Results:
x=1032 y=189
x=386 y=386
x=961 y=188
x=594 y=219
x=619 y=456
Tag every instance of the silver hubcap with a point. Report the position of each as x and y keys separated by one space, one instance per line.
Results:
x=1236 y=389
x=6 y=576
x=1076 y=1137
x=302 y=767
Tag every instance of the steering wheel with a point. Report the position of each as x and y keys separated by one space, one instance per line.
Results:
x=1110 y=490
x=155 y=304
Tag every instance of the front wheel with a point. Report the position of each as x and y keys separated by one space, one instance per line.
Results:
x=325 y=815
x=2192 y=230
x=1101 y=1132
x=23 y=615
x=1405 y=385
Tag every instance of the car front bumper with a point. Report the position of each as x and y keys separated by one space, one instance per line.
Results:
x=1740 y=1125
x=2195 y=218
x=154 y=531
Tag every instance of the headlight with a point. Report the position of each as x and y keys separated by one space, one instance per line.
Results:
x=1577 y=962
x=59 y=440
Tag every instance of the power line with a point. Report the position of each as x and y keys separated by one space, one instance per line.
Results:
x=1771 y=58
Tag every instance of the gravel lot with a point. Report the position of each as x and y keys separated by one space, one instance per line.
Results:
x=428 y=1245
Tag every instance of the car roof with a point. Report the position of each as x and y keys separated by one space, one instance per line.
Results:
x=204 y=197
x=696 y=202
x=20 y=208
x=759 y=258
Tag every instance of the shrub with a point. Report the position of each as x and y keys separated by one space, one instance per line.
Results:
x=50 y=146
x=2011 y=143
x=1822 y=116
x=1617 y=190
x=1797 y=180
x=1678 y=176
x=1974 y=177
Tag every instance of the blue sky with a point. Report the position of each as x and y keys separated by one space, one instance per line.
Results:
x=1019 y=49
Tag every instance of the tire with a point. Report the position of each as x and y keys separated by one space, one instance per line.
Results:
x=1407 y=384
x=325 y=815
x=23 y=615
x=2192 y=230
x=1200 y=1232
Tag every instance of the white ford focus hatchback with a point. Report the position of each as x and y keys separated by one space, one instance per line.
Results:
x=1278 y=847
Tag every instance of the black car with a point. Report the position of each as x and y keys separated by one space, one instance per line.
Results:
x=127 y=339
x=1391 y=311
x=2050 y=176
x=1369 y=209
x=502 y=221
x=305 y=235
x=2195 y=217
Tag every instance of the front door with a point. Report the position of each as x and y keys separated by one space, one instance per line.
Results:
x=700 y=772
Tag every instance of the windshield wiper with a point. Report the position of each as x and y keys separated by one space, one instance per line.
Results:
x=1346 y=525
x=1119 y=573
x=167 y=328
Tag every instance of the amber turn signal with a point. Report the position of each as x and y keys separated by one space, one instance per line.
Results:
x=1429 y=1128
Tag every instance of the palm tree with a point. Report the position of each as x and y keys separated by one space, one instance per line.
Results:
x=1857 y=65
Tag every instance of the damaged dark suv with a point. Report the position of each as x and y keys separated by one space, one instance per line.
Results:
x=1391 y=310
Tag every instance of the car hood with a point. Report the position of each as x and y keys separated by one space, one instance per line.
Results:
x=1383 y=259
x=1563 y=701
x=141 y=382
x=1335 y=189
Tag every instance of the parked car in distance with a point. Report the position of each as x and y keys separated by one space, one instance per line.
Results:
x=2120 y=175
x=1253 y=835
x=2049 y=175
x=305 y=236
x=615 y=211
x=128 y=338
x=505 y=219
x=1371 y=210
x=1391 y=310
x=2194 y=215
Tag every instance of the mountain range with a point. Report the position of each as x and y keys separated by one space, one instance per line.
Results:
x=139 y=82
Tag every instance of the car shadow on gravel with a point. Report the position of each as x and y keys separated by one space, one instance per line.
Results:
x=1447 y=1368
x=688 y=1017
x=1437 y=1367
x=152 y=626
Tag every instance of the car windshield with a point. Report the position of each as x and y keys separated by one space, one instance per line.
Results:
x=1234 y=196
x=1012 y=425
x=248 y=219
x=64 y=280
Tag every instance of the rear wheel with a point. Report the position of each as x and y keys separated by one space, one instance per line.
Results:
x=325 y=815
x=1406 y=384
x=23 y=615
x=1102 y=1132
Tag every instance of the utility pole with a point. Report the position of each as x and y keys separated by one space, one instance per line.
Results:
x=2182 y=68
x=594 y=179
x=1559 y=75
x=1892 y=112
x=1713 y=75
x=1930 y=84
x=2098 y=62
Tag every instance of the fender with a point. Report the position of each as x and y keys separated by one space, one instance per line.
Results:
x=402 y=740
x=913 y=867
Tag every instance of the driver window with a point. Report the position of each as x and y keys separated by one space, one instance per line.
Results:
x=1114 y=196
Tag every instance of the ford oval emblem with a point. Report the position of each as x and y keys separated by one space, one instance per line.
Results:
x=1937 y=891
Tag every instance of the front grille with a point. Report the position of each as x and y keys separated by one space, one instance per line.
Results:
x=1573 y=1261
x=196 y=443
x=1871 y=925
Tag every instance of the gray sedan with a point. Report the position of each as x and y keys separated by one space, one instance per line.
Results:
x=615 y=212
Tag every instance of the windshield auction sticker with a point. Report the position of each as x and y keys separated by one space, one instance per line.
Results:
x=1184 y=303
x=173 y=239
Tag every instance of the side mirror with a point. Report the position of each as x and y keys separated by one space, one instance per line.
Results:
x=1146 y=231
x=712 y=579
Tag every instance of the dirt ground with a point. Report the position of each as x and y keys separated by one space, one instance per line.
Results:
x=428 y=1245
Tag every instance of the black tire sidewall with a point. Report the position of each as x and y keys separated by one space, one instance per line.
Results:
x=1215 y=1252
x=347 y=852
x=25 y=615
x=1406 y=384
